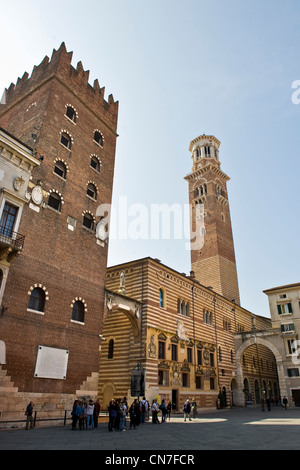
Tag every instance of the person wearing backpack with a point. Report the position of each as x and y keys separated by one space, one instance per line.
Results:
x=163 y=409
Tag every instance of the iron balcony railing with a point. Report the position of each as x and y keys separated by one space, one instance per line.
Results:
x=11 y=238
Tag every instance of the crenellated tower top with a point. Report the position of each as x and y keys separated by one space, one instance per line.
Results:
x=59 y=66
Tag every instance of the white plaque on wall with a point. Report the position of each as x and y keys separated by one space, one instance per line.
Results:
x=51 y=363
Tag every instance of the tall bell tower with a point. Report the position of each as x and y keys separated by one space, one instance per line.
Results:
x=213 y=263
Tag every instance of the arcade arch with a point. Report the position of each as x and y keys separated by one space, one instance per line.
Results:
x=259 y=370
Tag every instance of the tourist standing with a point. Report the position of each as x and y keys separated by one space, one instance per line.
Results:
x=143 y=409
x=123 y=410
x=187 y=410
x=74 y=414
x=163 y=409
x=155 y=410
x=97 y=410
x=112 y=414
x=29 y=416
x=169 y=408
x=80 y=414
x=90 y=415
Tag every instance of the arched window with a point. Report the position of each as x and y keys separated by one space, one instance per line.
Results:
x=78 y=311
x=37 y=300
x=95 y=163
x=207 y=151
x=92 y=191
x=88 y=221
x=71 y=113
x=220 y=354
x=60 y=169
x=162 y=298
x=66 y=140
x=55 y=201
x=98 y=138
x=111 y=346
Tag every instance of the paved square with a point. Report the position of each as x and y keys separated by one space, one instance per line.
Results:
x=236 y=429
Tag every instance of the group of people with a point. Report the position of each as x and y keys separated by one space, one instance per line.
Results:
x=85 y=414
x=271 y=401
x=189 y=409
x=138 y=413
x=164 y=408
x=118 y=411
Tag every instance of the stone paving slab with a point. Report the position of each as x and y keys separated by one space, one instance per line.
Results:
x=236 y=429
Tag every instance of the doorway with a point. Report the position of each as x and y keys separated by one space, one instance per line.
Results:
x=296 y=397
x=174 y=400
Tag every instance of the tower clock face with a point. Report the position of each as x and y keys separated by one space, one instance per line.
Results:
x=37 y=195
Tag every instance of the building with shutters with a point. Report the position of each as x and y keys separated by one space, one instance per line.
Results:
x=284 y=302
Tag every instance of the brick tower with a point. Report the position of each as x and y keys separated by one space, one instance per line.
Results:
x=214 y=263
x=54 y=294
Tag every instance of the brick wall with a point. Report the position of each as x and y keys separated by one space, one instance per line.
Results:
x=69 y=264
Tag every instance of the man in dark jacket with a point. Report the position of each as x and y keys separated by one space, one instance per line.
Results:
x=29 y=414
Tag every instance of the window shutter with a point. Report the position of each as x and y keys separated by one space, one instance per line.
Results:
x=279 y=309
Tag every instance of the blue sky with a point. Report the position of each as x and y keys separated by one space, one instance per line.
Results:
x=180 y=69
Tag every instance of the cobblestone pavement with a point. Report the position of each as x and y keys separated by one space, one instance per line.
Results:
x=236 y=429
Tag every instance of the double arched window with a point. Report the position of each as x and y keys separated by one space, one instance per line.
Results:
x=208 y=317
x=183 y=307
